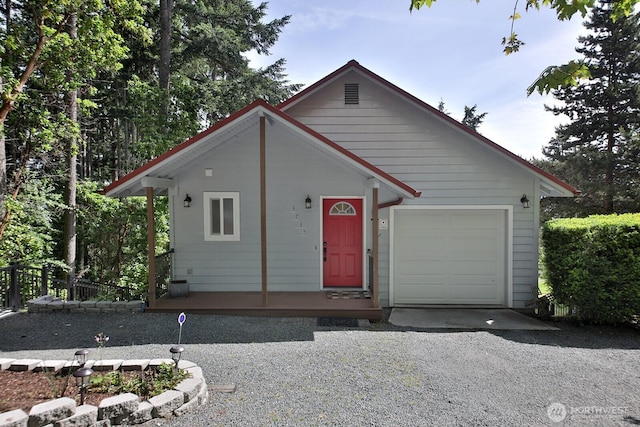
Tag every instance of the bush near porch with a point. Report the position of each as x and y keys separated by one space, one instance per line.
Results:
x=593 y=264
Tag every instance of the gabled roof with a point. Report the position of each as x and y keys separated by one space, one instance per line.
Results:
x=552 y=182
x=163 y=167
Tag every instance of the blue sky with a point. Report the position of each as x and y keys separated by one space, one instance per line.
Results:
x=450 y=51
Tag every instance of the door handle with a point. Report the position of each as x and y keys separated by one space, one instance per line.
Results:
x=324 y=251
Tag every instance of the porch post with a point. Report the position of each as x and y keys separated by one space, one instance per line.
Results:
x=263 y=209
x=374 y=246
x=151 y=244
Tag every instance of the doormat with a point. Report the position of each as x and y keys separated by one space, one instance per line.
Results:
x=342 y=322
x=348 y=294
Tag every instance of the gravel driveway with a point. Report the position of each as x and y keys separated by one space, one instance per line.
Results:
x=292 y=372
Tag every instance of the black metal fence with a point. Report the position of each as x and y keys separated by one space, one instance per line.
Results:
x=548 y=307
x=21 y=283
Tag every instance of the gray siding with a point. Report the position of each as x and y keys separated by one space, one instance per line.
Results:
x=446 y=165
x=294 y=170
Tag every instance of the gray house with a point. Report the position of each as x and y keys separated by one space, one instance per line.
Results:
x=351 y=195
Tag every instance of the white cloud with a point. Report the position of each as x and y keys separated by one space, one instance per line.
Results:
x=319 y=19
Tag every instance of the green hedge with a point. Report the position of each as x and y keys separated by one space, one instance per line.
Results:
x=593 y=264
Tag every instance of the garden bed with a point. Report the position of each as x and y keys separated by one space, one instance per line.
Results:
x=30 y=395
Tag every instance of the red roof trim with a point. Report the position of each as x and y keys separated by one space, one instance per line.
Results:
x=466 y=129
x=180 y=147
x=260 y=103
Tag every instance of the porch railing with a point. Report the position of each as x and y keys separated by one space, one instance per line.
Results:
x=21 y=283
x=163 y=272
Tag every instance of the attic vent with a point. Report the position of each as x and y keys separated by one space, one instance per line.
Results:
x=351 y=94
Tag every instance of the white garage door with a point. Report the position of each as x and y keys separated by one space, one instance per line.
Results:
x=449 y=256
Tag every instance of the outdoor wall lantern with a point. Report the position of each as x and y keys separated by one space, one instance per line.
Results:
x=81 y=356
x=176 y=354
x=307 y=202
x=187 y=202
x=524 y=201
x=83 y=378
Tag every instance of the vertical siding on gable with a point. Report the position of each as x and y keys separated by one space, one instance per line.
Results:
x=447 y=166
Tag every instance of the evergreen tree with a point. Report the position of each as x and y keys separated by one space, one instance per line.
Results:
x=442 y=108
x=471 y=118
x=159 y=99
x=597 y=150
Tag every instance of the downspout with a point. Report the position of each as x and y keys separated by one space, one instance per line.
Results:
x=396 y=202
x=392 y=203
x=375 y=250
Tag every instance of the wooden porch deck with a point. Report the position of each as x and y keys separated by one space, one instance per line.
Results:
x=279 y=304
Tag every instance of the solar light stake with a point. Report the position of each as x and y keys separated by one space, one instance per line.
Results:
x=176 y=354
x=81 y=356
x=83 y=377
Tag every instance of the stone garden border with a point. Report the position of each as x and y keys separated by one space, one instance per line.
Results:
x=51 y=304
x=124 y=409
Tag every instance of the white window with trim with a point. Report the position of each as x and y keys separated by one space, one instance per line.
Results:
x=221 y=216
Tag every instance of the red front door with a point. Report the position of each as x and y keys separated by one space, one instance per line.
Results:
x=342 y=242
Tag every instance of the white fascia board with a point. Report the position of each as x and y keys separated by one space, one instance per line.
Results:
x=548 y=189
x=149 y=181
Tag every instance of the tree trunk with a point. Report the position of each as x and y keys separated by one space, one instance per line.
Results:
x=3 y=150
x=611 y=142
x=72 y=160
x=609 y=187
x=3 y=172
x=166 y=7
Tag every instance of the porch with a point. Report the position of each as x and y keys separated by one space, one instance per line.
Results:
x=280 y=304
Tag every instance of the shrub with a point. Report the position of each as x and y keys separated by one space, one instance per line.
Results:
x=593 y=264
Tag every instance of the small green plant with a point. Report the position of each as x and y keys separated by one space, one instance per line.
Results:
x=148 y=383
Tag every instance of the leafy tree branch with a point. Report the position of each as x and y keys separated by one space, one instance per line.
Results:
x=553 y=77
